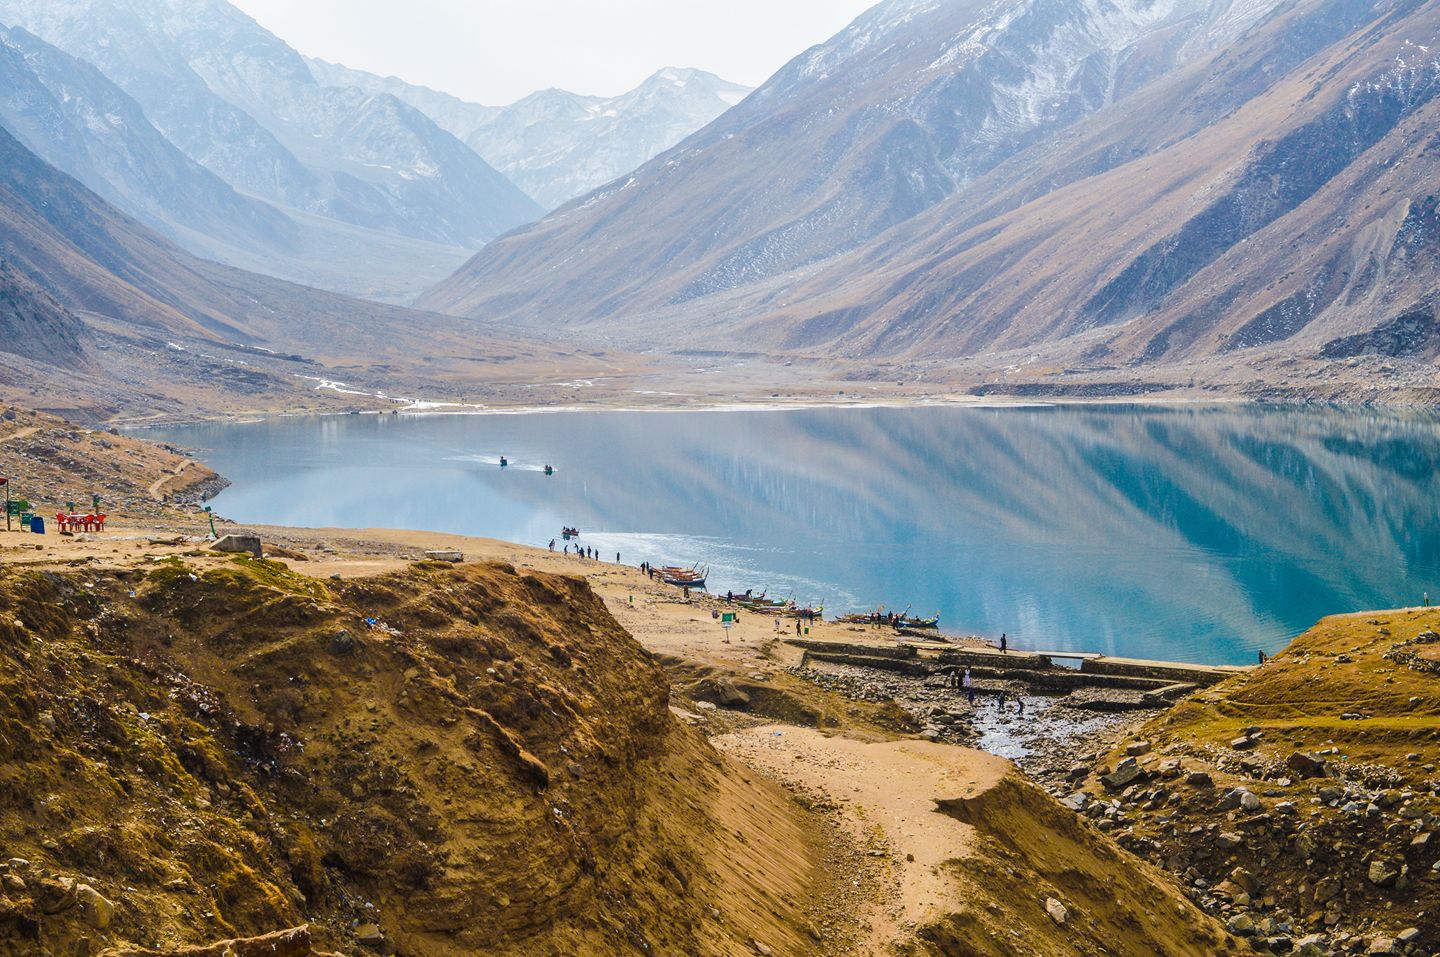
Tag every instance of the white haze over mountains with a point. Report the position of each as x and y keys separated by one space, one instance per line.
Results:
x=498 y=51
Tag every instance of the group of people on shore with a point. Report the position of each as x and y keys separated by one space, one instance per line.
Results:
x=958 y=679
x=585 y=552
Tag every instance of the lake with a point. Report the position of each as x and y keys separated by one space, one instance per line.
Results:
x=1193 y=534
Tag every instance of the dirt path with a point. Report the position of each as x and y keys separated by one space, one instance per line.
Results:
x=885 y=793
x=160 y=482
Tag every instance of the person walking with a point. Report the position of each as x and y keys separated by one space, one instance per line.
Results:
x=552 y=544
x=969 y=687
x=1021 y=702
x=797 y=626
x=1004 y=642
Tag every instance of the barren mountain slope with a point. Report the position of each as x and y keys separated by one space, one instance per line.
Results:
x=1306 y=213
x=907 y=106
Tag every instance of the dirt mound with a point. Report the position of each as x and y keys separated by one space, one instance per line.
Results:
x=443 y=761
x=1061 y=888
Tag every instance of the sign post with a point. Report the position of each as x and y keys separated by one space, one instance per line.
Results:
x=727 y=621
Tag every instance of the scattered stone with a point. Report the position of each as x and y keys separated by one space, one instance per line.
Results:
x=1241 y=925
x=1244 y=743
x=1199 y=779
x=1057 y=911
x=761 y=949
x=1136 y=749
x=1382 y=945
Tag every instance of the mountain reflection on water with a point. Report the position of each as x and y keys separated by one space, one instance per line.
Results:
x=1200 y=534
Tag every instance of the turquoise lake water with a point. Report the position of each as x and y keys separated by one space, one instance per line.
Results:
x=1195 y=534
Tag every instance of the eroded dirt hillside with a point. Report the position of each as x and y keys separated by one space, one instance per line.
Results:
x=490 y=767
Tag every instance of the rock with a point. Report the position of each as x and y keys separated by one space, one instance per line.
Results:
x=1122 y=777
x=1312 y=945
x=706 y=706
x=1421 y=841
x=240 y=543
x=371 y=936
x=1241 y=925
x=1245 y=879
x=1249 y=801
x=726 y=694
x=54 y=895
x=1307 y=765
x=1407 y=935
x=1057 y=911
x=1382 y=945
x=761 y=949
x=444 y=555
x=1137 y=748
x=1199 y=779
x=342 y=643
x=1228 y=840
x=1242 y=744
x=1382 y=873
x=99 y=911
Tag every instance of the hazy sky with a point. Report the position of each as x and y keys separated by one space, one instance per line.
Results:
x=496 y=51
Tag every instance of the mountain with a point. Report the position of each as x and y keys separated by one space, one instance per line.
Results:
x=244 y=106
x=558 y=145
x=101 y=313
x=74 y=118
x=1111 y=182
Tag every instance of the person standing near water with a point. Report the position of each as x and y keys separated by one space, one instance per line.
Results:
x=552 y=544
x=1004 y=641
x=617 y=558
x=969 y=688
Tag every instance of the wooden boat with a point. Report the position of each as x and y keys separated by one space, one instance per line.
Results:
x=685 y=577
x=549 y=470
x=866 y=619
x=815 y=614
x=569 y=533
x=906 y=621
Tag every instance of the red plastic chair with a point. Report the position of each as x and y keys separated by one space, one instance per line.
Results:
x=100 y=523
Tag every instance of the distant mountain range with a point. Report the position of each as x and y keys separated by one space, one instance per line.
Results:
x=1070 y=181
x=557 y=145
x=98 y=313
x=191 y=117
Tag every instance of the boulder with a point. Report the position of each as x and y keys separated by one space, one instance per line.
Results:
x=240 y=543
x=1122 y=777
x=1057 y=911
x=1382 y=873
x=1307 y=765
x=99 y=911
x=1137 y=748
x=1241 y=925
x=1243 y=743
x=1199 y=779
x=450 y=555
x=725 y=693
x=1382 y=945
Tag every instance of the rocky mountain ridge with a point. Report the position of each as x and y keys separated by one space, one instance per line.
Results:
x=1056 y=185
x=351 y=170
x=558 y=145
